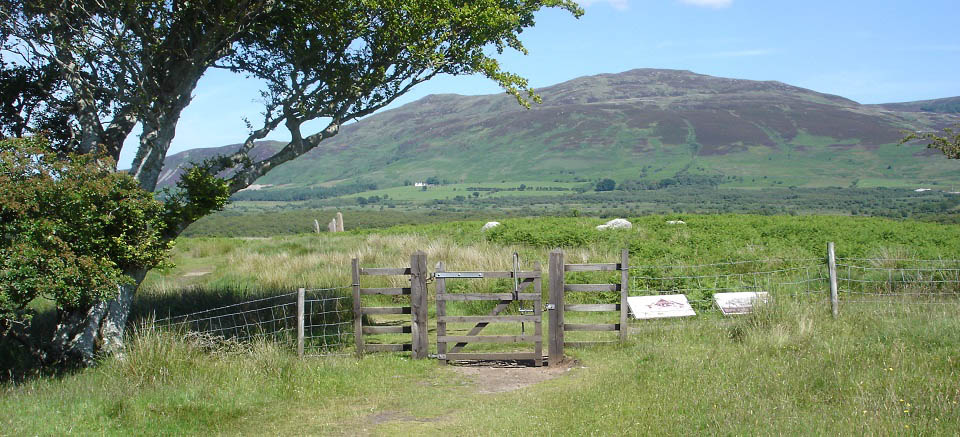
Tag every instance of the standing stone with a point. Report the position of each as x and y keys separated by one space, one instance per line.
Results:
x=339 y=222
x=316 y=226
x=332 y=226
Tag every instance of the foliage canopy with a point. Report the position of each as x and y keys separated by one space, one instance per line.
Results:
x=68 y=228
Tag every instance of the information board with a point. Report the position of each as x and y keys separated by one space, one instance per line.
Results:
x=658 y=307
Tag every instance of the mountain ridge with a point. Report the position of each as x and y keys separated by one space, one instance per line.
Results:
x=638 y=124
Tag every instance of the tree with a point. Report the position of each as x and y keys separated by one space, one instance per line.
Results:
x=606 y=185
x=133 y=62
x=69 y=229
x=948 y=143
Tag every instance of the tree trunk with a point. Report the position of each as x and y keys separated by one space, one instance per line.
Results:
x=75 y=337
x=83 y=335
x=115 y=319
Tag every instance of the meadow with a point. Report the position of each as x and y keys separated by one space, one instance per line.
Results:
x=789 y=368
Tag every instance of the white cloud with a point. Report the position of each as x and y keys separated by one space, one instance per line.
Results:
x=709 y=3
x=616 y=4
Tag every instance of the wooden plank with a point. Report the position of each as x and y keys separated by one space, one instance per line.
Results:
x=386 y=310
x=441 y=312
x=538 y=313
x=300 y=293
x=593 y=307
x=591 y=267
x=624 y=287
x=387 y=347
x=487 y=319
x=385 y=271
x=386 y=329
x=462 y=297
x=489 y=338
x=591 y=287
x=577 y=344
x=832 y=266
x=492 y=356
x=591 y=327
x=479 y=327
x=555 y=328
x=418 y=304
x=385 y=291
x=357 y=311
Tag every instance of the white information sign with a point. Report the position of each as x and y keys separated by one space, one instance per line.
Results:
x=657 y=307
x=739 y=303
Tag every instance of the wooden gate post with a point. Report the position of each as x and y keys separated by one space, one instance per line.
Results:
x=418 y=304
x=556 y=308
x=624 y=287
x=357 y=314
x=441 y=288
x=832 y=265
x=300 y=293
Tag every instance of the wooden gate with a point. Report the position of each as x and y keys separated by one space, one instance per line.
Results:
x=417 y=309
x=522 y=281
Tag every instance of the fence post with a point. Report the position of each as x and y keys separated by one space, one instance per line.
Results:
x=300 y=293
x=418 y=304
x=441 y=288
x=357 y=313
x=832 y=265
x=624 y=287
x=556 y=308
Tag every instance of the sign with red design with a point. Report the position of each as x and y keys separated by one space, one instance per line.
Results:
x=658 y=307
x=739 y=303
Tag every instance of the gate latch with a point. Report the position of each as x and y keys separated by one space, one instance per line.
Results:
x=438 y=356
x=549 y=306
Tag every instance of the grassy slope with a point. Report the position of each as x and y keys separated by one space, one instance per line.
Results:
x=786 y=370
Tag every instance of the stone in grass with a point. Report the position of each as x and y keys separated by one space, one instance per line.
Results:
x=616 y=224
x=676 y=222
x=490 y=225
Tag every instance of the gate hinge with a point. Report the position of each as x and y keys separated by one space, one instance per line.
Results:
x=438 y=356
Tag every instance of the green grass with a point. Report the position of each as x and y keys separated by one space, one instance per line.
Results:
x=786 y=370
x=789 y=368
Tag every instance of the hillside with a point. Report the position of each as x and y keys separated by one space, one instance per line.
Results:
x=949 y=105
x=641 y=124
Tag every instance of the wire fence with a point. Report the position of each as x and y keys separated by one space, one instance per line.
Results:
x=899 y=281
x=327 y=321
x=699 y=282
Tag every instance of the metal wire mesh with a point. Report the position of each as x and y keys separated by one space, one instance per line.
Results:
x=901 y=281
x=700 y=282
x=327 y=322
x=327 y=318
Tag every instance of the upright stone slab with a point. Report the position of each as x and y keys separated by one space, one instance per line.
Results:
x=339 y=222
x=332 y=226
x=316 y=226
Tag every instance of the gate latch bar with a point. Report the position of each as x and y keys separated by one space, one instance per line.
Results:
x=459 y=274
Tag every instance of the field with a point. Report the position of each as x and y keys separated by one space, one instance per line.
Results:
x=789 y=368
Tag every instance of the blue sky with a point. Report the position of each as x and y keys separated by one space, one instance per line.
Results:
x=869 y=51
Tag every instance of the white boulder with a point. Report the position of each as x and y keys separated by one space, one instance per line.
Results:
x=616 y=224
x=676 y=222
x=490 y=225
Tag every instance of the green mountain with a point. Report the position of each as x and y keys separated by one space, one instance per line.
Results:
x=643 y=124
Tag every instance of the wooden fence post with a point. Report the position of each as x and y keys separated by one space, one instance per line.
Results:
x=556 y=308
x=832 y=265
x=624 y=287
x=357 y=314
x=441 y=288
x=300 y=293
x=418 y=304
